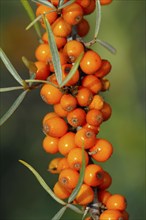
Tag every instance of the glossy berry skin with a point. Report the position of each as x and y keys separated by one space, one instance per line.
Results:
x=90 y=62
x=43 y=70
x=62 y=164
x=116 y=202
x=61 y=28
x=91 y=7
x=49 y=115
x=66 y=68
x=83 y=28
x=111 y=215
x=61 y=191
x=97 y=103
x=104 y=69
x=60 y=41
x=93 y=175
x=59 y=110
x=52 y=127
x=102 y=150
x=77 y=117
x=67 y=143
x=69 y=178
x=94 y=117
x=106 y=111
x=72 y=13
x=103 y=196
x=50 y=144
x=107 y=180
x=105 y=2
x=42 y=52
x=68 y=102
x=85 y=195
x=93 y=83
x=85 y=137
x=84 y=96
x=74 y=158
x=53 y=165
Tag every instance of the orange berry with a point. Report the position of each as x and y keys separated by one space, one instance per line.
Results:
x=91 y=7
x=92 y=82
x=53 y=165
x=125 y=215
x=72 y=13
x=97 y=102
x=69 y=178
x=56 y=2
x=103 y=196
x=104 y=69
x=55 y=127
x=92 y=127
x=51 y=16
x=111 y=215
x=94 y=117
x=83 y=3
x=107 y=180
x=65 y=71
x=85 y=195
x=60 y=41
x=49 y=115
x=116 y=202
x=61 y=191
x=68 y=102
x=105 y=2
x=61 y=28
x=42 y=52
x=83 y=28
x=106 y=111
x=62 y=164
x=50 y=144
x=85 y=137
x=43 y=70
x=59 y=110
x=74 y=158
x=102 y=150
x=84 y=96
x=93 y=175
x=105 y=84
x=66 y=143
x=77 y=117
x=50 y=94
x=73 y=49
x=62 y=58
x=90 y=62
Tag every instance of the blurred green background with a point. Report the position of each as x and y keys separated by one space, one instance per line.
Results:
x=22 y=198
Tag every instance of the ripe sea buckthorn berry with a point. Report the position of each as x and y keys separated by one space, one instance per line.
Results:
x=91 y=127
x=103 y=196
x=51 y=16
x=94 y=117
x=53 y=165
x=105 y=84
x=90 y=62
x=42 y=52
x=106 y=111
x=85 y=137
x=68 y=102
x=83 y=3
x=55 y=127
x=49 y=115
x=74 y=158
x=77 y=117
x=105 y=2
x=107 y=180
x=72 y=13
x=102 y=150
x=65 y=71
x=92 y=82
x=111 y=215
x=66 y=143
x=62 y=164
x=91 y=7
x=60 y=41
x=50 y=94
x=125 y=215
x=73 y=49
x=104 y=69
x=93 y=175
x=43 y=70
x=116 y=201
x=61 y=28
x=84 y=96
x=85 y=195
x=61 y=191
x=62 y=58
x=69 y=178
x=83 y=28
x=56 y=2
x=97 y=102
x=59 y=110
x=50 y=144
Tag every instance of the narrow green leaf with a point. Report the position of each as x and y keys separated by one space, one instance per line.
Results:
x=73 y=70
x=75 y=208
x=61 y=2
x=98 y=18
x=10 y=67
x=33 y=22
x=108 y=46
x=66 y=4
x=8 y=89
x=81 y=178
x=13 y=107
x=31 y=15
x=42 y=182
x=60 y=213
x=46 y=3
x=54 y=52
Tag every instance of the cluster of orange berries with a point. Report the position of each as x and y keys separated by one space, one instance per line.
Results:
x=79 y=111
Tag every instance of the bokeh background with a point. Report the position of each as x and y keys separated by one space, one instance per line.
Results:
x=22 y=198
